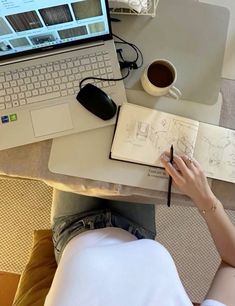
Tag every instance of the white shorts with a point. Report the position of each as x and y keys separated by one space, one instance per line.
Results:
x=212 y=303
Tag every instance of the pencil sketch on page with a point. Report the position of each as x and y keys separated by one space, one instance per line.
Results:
x=159 y=135
x=215 y=150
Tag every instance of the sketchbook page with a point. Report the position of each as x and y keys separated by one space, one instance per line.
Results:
x=143 y=134
x=215 y=151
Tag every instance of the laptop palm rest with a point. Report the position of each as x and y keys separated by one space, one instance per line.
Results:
x=51 y=120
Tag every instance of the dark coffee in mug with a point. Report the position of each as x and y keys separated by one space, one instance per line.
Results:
x=160 y=74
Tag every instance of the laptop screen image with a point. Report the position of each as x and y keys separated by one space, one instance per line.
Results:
x=28 y=26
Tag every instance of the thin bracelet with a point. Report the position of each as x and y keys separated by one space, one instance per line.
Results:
x=212 y=209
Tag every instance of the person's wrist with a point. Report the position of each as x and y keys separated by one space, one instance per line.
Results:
x=205 y=202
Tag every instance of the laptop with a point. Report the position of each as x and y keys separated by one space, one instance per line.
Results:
x=45 y=51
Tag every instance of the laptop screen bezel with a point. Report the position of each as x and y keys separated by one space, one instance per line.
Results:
x=67 y=44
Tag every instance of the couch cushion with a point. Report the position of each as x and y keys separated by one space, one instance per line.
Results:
x=8 y=285
x=38 y=274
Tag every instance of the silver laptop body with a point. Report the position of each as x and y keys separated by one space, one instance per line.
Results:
x=44 y=53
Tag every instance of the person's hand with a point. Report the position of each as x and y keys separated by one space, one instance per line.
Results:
x=190 y=179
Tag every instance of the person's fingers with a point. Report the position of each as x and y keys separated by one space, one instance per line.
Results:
x=181 y=165
x=171 y=170
x=196 y=164
x=188 y=161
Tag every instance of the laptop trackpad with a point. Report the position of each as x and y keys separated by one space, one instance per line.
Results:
x=51 y=120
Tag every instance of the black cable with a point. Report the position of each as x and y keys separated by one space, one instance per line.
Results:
x=123 y=65
x=103 y=79
x=137 y=50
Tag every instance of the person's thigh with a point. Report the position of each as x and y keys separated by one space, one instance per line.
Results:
x=68 y=203
x=142 y=214
x=222 y=288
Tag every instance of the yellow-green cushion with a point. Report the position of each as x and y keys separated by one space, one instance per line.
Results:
x=38 y=274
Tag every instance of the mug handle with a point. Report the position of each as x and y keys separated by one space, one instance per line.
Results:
x=175 y=92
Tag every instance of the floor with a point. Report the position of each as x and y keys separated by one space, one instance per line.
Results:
x=25 y=206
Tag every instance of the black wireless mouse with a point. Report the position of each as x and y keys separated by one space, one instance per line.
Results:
x=97 y=102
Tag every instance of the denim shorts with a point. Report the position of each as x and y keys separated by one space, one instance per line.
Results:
x=67 y=227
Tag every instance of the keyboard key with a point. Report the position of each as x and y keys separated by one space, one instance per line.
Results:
x=16 y=89
x=21 y=95
x=71 y=92
x=61 y=73
x=43 y=70
x=35 y=92
x=42 y=91
x=18 y=83
x=2 y=92
x=34 y=79
x=7 y=98
x=37 y=84
x=22 y=102
x=85 y=61
x=27 y=81
x=50 y=82
x=41 y=77
x=81 y=69
x=16 y=104
x=102 y=71
x=64 y=93
x=29 y=94
x=9 y=91
x=70 y=65
x=48 y=76
x=22 y=74
x=2 y=106
x=64 y=79
x=29 y=73
x=14 y=97
x=71 y=78
x=57 y=81
x=23 y=88
x=68 y=71
x=8 y=105
x=56 y=88
x=88 y=67
x=109 y=70
x=62 y=86
x=69 y=85
x=15 y=76
x=75 y=70
x=95 y=66
x=6 y=85
x=44 y=83
x=8 y=77
x=40 y=98
x=49 y=89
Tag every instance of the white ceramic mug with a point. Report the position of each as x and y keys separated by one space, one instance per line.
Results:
x=153 y=88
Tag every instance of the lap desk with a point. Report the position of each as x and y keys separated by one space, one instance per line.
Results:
x=86 y=155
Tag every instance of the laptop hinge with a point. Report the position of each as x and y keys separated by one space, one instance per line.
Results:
x=50 y=53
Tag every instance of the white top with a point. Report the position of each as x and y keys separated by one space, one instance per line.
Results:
x=110 y=267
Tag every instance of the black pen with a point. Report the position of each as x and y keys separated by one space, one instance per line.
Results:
x=170 y=178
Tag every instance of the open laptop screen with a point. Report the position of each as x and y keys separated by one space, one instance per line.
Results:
x=32 y=25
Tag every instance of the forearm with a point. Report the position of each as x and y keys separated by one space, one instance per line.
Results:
x=222 y=230
x=191 y=180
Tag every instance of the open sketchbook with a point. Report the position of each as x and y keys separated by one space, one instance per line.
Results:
x=143 y=134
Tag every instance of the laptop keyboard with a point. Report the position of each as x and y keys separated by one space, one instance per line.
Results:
x=53 y=80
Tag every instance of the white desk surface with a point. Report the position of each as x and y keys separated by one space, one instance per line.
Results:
x=192 y=35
